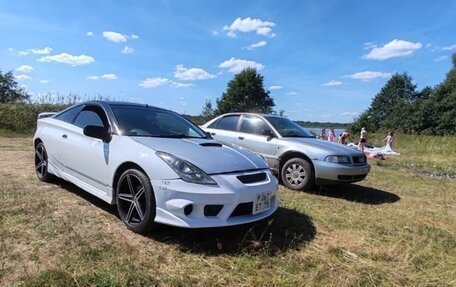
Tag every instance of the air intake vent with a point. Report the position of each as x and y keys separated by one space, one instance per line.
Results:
x=251 y=178
x=211 y=144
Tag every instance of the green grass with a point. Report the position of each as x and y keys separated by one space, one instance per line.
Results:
x=396 y=228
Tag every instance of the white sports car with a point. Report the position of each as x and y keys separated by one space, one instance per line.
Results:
x=154 y=165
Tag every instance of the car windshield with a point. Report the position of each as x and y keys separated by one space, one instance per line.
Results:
x=153 y=122
x=288 y=128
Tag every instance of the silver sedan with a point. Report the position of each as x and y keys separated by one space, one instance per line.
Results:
x=296 y=156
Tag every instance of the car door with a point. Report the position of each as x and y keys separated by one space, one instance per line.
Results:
x=86 y=158
x=256 y=135
x=224 y=129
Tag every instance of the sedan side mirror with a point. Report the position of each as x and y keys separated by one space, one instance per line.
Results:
x=97 y=132
x=268 y=133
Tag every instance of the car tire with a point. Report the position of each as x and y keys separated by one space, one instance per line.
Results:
x=42 y=163
x=135 y=201
x=297 y=173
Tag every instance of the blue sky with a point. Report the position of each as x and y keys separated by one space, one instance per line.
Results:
x=321 y=60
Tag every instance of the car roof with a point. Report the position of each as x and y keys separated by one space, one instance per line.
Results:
x=251 y=114
x=105 y=104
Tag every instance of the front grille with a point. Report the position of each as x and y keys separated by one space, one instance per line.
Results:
x=243 y=209
x=212 y=209
x=352 y=177
x=251 y=178
x=359 y=159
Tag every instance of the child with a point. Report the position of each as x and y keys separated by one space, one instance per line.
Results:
x=323 y=134
x=362 y=140
x=389 y=140
x=331 y=135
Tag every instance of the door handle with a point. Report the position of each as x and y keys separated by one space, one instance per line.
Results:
x=241 y=138
x=213 y=134
x=64 y=136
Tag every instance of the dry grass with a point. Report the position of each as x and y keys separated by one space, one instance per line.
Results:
x=396 y=228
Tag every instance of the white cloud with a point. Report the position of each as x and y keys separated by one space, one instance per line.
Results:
x=90 y=34
x=44 y=51
x=369 y=45
x=44 y=81
x=22 y=77
x=24 y=69
x=103 y=77
x=256 y=45
x=368 y=75
x=68 y=59
x=441 y=58
x=353 y=114
x=127 y=50
x=153 y=82
x=238 y=65
x=250 y=25
x=134 y=36
x=395 y=48
x=181 y=85
x=449 y=48
x=332 y=83
x=115 y=37
x=275 y=88
x=215 y=32
x=291 y=93
x=191 y=74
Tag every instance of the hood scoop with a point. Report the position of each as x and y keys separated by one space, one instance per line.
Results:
x=209 y=144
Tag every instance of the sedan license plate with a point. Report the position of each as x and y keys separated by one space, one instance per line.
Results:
x=262 y=202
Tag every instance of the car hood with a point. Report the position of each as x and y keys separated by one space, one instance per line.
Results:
x=324 y=146
x=209 y=155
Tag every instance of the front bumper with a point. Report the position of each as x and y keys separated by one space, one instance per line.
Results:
x=230 y=202
x=327 y=173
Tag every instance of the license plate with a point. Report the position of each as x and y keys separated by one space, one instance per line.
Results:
x=262 y=202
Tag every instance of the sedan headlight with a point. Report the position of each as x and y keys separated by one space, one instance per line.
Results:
x=338 y=159
x=187 y=171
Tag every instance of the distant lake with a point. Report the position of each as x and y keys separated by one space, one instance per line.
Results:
x=317 y=131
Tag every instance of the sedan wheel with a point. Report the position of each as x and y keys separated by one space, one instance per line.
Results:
x=41 y=163
x=298 y=174
x=136 y=201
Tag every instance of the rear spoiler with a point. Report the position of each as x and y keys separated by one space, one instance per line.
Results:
x=45 y=115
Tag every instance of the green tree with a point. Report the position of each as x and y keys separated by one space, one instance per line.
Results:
x=208 y=111
x=10 y=92
x=246 y=93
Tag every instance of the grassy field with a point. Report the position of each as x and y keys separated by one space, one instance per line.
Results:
x=396 y=228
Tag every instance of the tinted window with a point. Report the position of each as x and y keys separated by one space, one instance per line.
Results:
x=288 y=128
x=68 y=116
x=228 y=123
x=253 y=125
x=152 y=122
x=88 y=117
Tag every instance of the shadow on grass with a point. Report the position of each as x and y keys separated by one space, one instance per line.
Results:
x=357 y=193
x=286 y=229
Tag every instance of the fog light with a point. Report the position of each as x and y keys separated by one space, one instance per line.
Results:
x=188 y=209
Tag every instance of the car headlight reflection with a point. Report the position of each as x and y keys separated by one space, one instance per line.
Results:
x=338 y=159
x=187 y=171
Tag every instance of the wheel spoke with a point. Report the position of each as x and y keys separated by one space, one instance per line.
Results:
x=139 y=193
x=130 y=211
x=139 y=211
x=40 y=165
x=39 y=154
x=126 y=197
x=130 y=185
x=290 y=170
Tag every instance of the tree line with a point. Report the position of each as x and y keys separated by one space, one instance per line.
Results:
x=400 y=106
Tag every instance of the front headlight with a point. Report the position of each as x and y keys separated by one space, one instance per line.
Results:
x=338 y=159
x=187 y=171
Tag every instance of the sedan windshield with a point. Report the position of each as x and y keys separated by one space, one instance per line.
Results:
x=153 y=122
x=288 y=128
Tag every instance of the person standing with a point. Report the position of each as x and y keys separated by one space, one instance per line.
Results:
x=323 y=134
x=331 y=135
x=389 y=140
x=362 y=140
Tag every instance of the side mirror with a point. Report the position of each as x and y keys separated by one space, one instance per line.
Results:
x=268 y=133
x=97 y=132
x=208 y=135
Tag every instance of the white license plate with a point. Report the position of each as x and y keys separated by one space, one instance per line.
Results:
x=262 y=201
